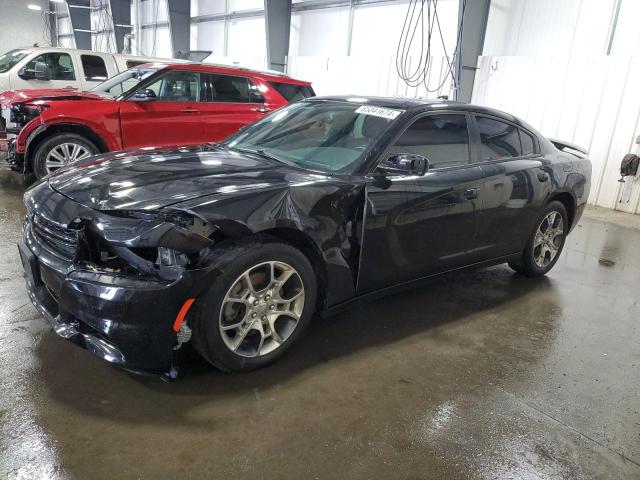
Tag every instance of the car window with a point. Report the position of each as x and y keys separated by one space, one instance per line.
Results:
x=293 y=93
x=442 y=139
x=124 y=81
x=177 y=86
x=11 y=58
x=60 y=65
x=528 y=145
x=497 y=139
x=229 y=89
x=94 y=68
x=324 y=136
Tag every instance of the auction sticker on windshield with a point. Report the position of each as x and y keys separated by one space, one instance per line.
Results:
x=389 y=113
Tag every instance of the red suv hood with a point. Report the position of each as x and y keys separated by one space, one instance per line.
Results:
x=19 y=96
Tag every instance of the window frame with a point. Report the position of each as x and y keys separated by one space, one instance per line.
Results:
x=159 y=75
x=74 y=65
x=84 y=71
x=479 y=161
x=246 y=77
x=471 y=144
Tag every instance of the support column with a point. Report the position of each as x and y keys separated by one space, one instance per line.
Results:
x=180 y=27
x=474 y=21
x=277 y=14
x=121 y=11
x=80 y=16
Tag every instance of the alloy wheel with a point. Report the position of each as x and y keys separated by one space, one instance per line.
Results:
x=261 y=309
x=548 y=239
x=65 y=153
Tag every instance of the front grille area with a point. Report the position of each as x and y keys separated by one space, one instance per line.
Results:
x=60 y=241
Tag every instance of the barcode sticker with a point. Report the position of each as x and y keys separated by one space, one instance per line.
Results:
x=379 y=112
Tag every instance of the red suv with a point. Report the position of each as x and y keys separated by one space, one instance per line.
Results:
x=180 y=104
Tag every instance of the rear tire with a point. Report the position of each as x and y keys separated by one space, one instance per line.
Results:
x=59 y=150
x=546 y=242
x=238 y=327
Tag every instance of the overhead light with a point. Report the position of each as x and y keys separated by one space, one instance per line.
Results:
x=31 y=6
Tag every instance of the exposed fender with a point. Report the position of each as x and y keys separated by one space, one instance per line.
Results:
x=326 y=212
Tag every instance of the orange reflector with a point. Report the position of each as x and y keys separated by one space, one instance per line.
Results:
x=182 y=314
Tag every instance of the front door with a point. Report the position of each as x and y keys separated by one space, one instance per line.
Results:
x=173 y=117
x=419 y=225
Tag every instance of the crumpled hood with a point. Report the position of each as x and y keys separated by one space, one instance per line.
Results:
x=47 y=94
x=150 y=179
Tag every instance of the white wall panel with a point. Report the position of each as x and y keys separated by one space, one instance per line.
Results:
x=153 y=11
x=156 y=42
x=549 y=27
x=208 y=36
x=207 y=7
x=627 y=38
x=590 y=101
x=239 y=5
x=247 y=37
x=364 y=76
x=319 y=32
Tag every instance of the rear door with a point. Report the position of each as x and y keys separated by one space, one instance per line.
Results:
x=419 y=225
x=515 y=184
x=172 y=118
x=228 y=103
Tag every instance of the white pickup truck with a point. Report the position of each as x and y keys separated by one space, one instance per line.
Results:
x=51 y=67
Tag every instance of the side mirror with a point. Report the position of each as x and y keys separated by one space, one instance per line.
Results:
x=25 y=74
x=42 y=72
x=145 y=95
x=406 y=164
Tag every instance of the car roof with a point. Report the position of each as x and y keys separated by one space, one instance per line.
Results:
x=268 y=75
x=45 y=48
x=417 y=104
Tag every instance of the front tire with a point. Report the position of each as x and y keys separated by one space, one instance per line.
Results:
x=546 y=242
x=59 y=150
x=256 y=309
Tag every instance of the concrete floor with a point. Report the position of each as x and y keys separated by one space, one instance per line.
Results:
x=482 y=375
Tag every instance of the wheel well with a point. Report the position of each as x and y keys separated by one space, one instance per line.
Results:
x=569 y=204
x=306 y=245
x=64 y=128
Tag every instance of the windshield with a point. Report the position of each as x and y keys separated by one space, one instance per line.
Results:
x=9 y=59
x=328 y=136
x=121 y=83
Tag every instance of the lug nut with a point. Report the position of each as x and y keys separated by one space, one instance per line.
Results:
x=267 y=297
x=254 y=315
x=255 y=303
x=264 y=317
x=272 y=307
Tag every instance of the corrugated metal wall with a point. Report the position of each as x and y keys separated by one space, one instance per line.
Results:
x=591 y=101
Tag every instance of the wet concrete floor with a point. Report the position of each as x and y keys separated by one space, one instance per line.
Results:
x=481 y=375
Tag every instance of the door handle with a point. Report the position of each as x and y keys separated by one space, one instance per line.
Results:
x=189 y=110
x=543 y=176
x=261 y=109
x=471 y=193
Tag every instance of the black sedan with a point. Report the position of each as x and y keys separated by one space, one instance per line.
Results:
x=234 y=246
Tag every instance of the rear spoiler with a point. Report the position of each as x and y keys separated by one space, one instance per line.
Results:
x=570 y=148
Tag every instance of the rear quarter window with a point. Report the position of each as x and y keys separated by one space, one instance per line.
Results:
x=528 y=144
x=293 y=93
x=94 y=68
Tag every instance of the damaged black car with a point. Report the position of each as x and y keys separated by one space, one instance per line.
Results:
x=233 y=247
